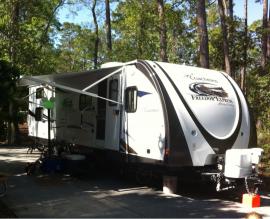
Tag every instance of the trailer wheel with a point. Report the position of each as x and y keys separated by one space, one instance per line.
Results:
x=143 y=176
x=3 y=185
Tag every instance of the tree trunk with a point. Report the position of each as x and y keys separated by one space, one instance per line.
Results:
x=14 y=32
x=243 y=70
x=231 y=32
x=141 y=32
x=203 y=34
x=93 y=9
x=231 y=9
x=162 y=31
x=264 y=36
x=44 y=34
x=224 y=36
x=17 y=139
x=268 y=36
x=11 y=127
x=108 y=27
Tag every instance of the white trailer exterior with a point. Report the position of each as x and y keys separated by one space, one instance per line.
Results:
x=158 y=113
x=39 y=129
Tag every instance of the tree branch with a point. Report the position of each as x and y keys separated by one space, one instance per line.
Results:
x=46 y=30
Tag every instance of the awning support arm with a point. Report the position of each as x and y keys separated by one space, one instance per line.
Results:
x=102 y=79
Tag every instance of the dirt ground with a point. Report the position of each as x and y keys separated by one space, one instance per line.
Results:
x=106 y=195
x=10 y=156
x=5 y=212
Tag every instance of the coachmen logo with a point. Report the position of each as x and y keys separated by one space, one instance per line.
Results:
x=207 y=89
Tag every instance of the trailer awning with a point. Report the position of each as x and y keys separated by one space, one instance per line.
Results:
x=79 y=82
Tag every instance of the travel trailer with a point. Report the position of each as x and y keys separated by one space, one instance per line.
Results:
x=168 y=117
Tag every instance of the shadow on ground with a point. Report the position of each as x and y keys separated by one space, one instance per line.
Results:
x=107 y=195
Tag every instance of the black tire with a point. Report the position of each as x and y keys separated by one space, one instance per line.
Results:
x=40 y=147
x=143 y=177
x=3 y=188
x=30 y=169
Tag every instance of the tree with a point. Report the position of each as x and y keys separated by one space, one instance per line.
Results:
x=8 y=76
x=268 y=36
x=203 y=34
x=264 y=36
x=181 y=32
x=137 y=37
x=142 y=29
x=230 y=8
x=162 y=31
x=244 y=68
x=108 y=26
x=231 y=31
x=51 y=18
x=75 y=52
x=13 y=36
x=14 y=30
x=93 y=9
x=24 y=30
x=224 y=37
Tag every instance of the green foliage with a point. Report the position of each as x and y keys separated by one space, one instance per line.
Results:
x=28 y=34
x=259 y=98
x=136 y=36
x=75 y=49
x=136 y=28
x=265 y=167
x=235 y=38
x=26 y=31
x=8 y=78
x=258 y=86
x=181 y=34
x=36 y=43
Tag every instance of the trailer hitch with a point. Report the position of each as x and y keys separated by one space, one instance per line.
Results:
x=252 y=184
x=223 y=183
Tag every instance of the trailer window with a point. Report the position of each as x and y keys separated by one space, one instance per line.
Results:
x=85 y=102
x=131 y=99
x=39 y=113
x=40 y=93
x=113 y=91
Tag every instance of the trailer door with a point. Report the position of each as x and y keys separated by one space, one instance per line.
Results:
x=143 y=134
x=113 y=113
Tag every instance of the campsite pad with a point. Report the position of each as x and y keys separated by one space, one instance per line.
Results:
x=105 y=195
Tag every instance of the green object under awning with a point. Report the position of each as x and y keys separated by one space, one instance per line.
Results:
x=48 y=104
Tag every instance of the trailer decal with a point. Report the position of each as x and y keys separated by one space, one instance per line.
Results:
x=207 y=89
x=176 y=140
x=142 y=93
x=221 y=144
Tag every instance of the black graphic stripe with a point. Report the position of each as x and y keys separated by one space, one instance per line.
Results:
x=179 y=154
x=126 y=147
x=31 y=113
x=252 y=129
x=223 y=144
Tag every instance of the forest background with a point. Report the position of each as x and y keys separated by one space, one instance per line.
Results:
x=205 y=33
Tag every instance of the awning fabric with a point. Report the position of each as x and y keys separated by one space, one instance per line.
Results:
x=78 y=82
